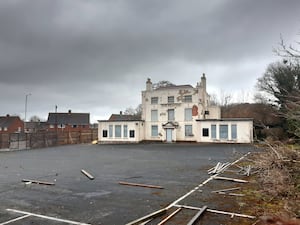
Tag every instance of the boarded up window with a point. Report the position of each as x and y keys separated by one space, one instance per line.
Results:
x=154 y=131
x=154 y=115
x=170 y=99
x=154 y=100
x=188 y=114
x=213 y=131
x=205 y=132
x=233 y=132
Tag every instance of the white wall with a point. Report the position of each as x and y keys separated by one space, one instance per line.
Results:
x=137 y=126
x=244 y=131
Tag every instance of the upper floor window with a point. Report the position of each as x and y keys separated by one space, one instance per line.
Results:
x=154 y=115
x=170 y=99
x=187 y=98
x=171 y=114
x=154 y=100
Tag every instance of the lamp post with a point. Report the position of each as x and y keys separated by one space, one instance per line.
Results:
x=26 y=99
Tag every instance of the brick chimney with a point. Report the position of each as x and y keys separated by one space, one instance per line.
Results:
x=148 y=85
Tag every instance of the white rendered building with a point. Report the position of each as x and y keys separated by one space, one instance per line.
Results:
x=176 y=113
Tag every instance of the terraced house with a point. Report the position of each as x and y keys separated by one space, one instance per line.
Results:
x=176 y=113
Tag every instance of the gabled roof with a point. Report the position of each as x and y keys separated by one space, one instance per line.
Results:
x=69 y=118
x=122 y=117
x=7 y=121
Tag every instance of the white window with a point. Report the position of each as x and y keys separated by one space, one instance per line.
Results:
x=154 y=115
x=154 y=100
x=223 y=131
x=187 y=98
x=170 y=99
x=5 y=128
x=233 y=132
x=118 y=131
x=171 y=114
x=110 y=131
x=188 y=130
x=125 y=131
x=188 y=114
x=213 y=131
x=51 y=126
x=154 y=131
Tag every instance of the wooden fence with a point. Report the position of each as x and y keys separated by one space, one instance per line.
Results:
x=42 y=139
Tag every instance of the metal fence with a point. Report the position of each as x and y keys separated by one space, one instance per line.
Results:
x=42 y=139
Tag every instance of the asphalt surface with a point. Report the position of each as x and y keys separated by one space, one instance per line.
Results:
x=176 y=167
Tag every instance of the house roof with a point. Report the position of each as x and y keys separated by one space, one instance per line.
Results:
x=6 y=121
x=186 y=86
x=69 y=118
x=122 y=117
x=225 y=119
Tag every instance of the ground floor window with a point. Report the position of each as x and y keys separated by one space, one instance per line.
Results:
x=223 y=131
x=131 y=133
x=188 y=130
x=154 y=130
x=205 y=132
x=233 y=132
x=104 y=133
x=117 y=131
x=110 y=131
x=213 y=131
x=125 y=131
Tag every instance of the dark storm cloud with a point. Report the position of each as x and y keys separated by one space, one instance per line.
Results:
x=86 y=49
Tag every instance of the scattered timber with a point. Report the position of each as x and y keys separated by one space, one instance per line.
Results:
x=149 y=216
x=37 y=182
x=216 y=211
x=169 y=217
x=220 y=167
x=227 y=189
x=140 y=185
x=197 y=216
x=230 y=179
x=87 y=174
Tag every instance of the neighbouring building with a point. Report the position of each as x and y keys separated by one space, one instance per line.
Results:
x=176 y=113
x=68 y=121
x=11 y=124
x=121 y=128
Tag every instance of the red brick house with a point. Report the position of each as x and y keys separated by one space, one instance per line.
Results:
x=68 y=121
x=11 y=124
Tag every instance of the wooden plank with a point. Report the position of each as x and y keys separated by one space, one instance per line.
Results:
x=197 y=216
x=37 y=182
x=232 y=194
x=230 y=179
x=216 y=211
x=169 y=217
x=87 y=174
x=140 y=185
x=147 y=217
x=227 y=189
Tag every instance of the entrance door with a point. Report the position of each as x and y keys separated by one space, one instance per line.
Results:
x=169 y=135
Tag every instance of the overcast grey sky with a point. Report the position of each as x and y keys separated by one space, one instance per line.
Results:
x=96 y=55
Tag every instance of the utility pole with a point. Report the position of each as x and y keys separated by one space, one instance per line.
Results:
x=26 y=99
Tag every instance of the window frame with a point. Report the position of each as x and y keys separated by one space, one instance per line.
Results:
x=154 y=134
x=154 y=100
x=188 y=130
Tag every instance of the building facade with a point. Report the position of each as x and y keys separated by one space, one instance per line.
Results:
x=178 y=113
x=11 y=124
x=68 y=121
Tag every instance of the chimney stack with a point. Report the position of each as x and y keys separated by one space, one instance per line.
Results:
x=148 y=85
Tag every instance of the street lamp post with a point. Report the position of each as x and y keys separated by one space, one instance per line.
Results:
x=26 y=99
